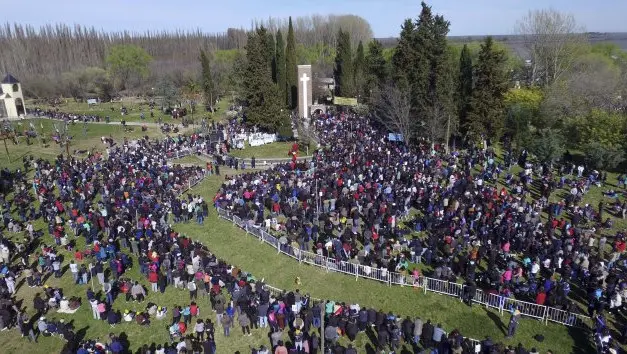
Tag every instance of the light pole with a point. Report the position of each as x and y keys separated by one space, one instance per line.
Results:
x=388 y=152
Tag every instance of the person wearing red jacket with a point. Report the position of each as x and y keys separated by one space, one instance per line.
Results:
x=153 y=278
x=541 y=297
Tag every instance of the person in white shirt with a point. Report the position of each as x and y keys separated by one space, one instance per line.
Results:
x=74 y=270
x=535 y=268
x=181 y=346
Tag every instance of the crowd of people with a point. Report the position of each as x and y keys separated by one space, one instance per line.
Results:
x=348 y=202
x=479 y=219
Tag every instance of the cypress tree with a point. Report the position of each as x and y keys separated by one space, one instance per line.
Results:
x=291 y=70
x=262 y=97
x=376 y=68
x=403 y=58
x=464 y=90
x=206 y=80
x=280 y=67
x=271 y=52
x=343 y=71
x=440 y=112
x=485 y=118
x=359 y=68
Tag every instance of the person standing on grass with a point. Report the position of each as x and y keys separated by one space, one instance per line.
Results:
x=74 y=271
x=193 y=290
x=513 y=323
x=226 y=324
x=199 y=328
x=153 y=278
x=219 y=308
x=244 y=322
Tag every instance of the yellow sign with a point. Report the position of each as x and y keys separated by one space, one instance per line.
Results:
x=344 y=101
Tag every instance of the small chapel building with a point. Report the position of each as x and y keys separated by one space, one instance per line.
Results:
x=11 y=98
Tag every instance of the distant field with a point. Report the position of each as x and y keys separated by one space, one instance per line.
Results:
x=135 y=108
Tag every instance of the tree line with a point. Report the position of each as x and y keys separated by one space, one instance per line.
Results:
x=570 y=96
x=47 y=58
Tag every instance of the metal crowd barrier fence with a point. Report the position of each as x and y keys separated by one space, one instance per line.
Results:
x=444 y=287
x=567 y=318
x=439 y=286
x=525 y=308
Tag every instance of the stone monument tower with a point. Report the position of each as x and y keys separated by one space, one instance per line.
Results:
x=305 y=91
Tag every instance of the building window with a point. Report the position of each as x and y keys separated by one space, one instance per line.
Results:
x=16 y=87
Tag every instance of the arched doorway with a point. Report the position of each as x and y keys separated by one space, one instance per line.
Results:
x=19 y=106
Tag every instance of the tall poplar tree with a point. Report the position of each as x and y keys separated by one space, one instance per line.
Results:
x=343 y=71
x=291 y=70
x=206 y=80
x=359 y=67
x=280 y=67
x=485 y=119
x=464 y=90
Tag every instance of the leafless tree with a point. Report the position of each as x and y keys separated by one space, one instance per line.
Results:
x=553 y=40
x=393 y=110
x=593 y=82
x=47 y=57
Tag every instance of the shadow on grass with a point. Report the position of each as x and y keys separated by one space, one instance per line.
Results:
x=497 y=321
x=582 y=342
x=71 y=346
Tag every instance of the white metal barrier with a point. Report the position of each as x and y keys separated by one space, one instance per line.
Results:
x=525 y=308
x=439 y=286
x=567 y=318
x=444 y=287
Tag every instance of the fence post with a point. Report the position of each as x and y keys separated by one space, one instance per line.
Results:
x=356 y=267
x=546 y=315
x=300 y=256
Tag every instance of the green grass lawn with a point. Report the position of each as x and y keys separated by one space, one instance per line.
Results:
x=277 y=150
x=134 y=107
x=233 y=245
x=80 y=140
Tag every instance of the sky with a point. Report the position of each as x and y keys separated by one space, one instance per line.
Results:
x=467 y=17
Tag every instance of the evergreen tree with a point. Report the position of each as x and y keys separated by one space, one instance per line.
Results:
x=271 y=53
x=422 y=80
x=464 y=90
x=291 y=70
x=343 y=71
x=206 y=80
x=376 y=69
x=421 y=65
x=280 y=67
x=485 y=118
x=439 y=112
x=263 y=107
x=359 y=71
x=403 y=58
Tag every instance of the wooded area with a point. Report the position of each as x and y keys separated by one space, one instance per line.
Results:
x=40 y=56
